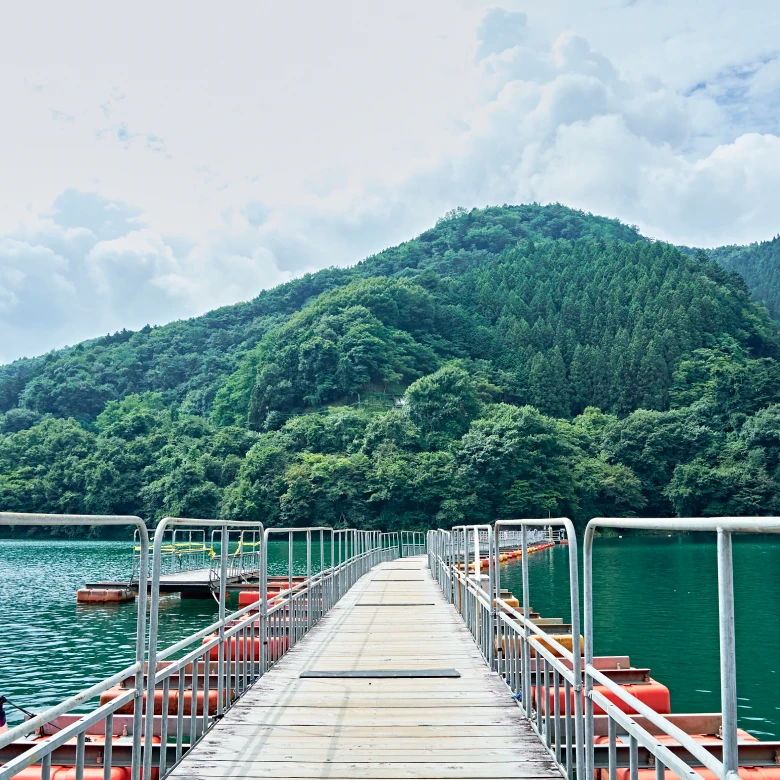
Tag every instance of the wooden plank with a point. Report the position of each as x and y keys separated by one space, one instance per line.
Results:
x=230 y=768
x=337 y=731
x=377 y=728
x=327 y=754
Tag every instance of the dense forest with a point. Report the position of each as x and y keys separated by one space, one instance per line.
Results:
x=510 y=361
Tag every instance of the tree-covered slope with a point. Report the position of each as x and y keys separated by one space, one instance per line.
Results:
x=509 y=361
x=560 y=325
x=759 y=265
x=186 y=361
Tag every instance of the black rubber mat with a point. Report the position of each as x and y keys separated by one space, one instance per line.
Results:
x=401 y=604
x=391 y=673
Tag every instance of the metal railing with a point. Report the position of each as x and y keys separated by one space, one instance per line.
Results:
x=412 y=543
x=559 y=691
x=69 y=744
x=224 y=659
x=646 y=735
x=538 y=669
x=244 y=554
x=544 y=675
x=176 y=694
x=183 y=549
x=390 y=546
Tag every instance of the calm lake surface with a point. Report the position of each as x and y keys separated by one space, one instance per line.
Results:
x=656 y=601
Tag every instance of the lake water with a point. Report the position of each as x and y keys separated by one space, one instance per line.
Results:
x=656 y=601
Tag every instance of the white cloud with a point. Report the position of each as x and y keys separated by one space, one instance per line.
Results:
x=154 y=171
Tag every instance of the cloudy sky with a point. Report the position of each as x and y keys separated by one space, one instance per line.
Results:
x=160 y=159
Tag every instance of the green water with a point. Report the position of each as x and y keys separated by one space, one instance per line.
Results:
x=656 y=601
x=53 y=647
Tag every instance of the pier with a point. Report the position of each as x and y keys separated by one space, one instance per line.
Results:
x=390 y=659
x=390 y=684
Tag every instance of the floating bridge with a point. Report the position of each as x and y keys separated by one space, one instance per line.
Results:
x=396 y=656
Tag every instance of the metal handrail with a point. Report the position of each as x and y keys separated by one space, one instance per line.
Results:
x=525 y=654
x=41 y=751
x=157 y=676
x=574 y=657
x=250 y=640
x=723 y=527
x=412 y=543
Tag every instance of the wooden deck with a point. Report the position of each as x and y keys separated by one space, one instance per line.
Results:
x=377 y=728
x=193 y=581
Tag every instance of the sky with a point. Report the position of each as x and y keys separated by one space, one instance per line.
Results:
x=158 y=160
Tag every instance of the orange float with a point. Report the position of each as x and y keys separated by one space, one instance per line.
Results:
x=652 y=693
x=173 y=701
x=745 y=772
x=276 y=646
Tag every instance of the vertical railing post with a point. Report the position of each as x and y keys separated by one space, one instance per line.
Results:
x=140 y=647
x=332 y=583
x=264 y=607
x=525 y=659
x=587 y=578
x=574 y=589
x=492 y=566
x=495 y=594
x=728 y=661
x=308 y=580
x=224 y=652
x=321 y=607
x=151 y=664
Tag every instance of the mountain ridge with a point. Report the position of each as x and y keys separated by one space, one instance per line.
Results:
x=198 y=351
x=511 y=361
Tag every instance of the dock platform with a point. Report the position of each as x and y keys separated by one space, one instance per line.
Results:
x=197 y=583
x=388 y=685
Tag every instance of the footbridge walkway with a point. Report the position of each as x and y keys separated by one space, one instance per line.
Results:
x=390 y=684
x=385 y=662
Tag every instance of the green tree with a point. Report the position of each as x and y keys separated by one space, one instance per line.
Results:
x=443 y=403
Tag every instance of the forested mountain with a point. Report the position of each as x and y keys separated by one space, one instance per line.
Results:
x=759 y=265
x=515 y=360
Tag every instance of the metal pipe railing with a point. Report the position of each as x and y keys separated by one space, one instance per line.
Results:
x=572 y=679
x=249 y=641
x=412 y=543
x=42 y=751
x=550 y=681
x=723 y=527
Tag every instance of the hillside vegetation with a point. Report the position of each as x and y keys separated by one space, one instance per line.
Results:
x=759 y=266
x=521 y=360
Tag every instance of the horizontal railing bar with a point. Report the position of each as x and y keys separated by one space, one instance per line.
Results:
x=695 y=749
x=121 y=724
x=68 y=704
x=736 y=524
x=65 y=755
x=35 y=751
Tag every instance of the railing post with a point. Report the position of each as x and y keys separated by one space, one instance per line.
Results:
x=495 y=594
x=308 y=580
x=151 y=664
x=321 y=609
x=264 y=605
x=223 y=650
x=728 y=661
x=574 y=588
x=492 y=566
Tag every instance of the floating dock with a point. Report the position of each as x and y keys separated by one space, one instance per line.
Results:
x=387 y=667
x=389 y=684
